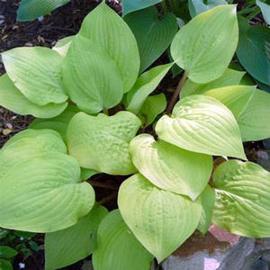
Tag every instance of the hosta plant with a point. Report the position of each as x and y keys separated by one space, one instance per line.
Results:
x=98 y=112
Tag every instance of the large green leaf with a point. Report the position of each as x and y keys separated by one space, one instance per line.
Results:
x=250 y=106
x=68 y=246
x=254 y=51
x=202 y=124
x=169 y=167
x=91 y=77
x=12 y=99
x=153 y=33
x=144 y=86
x=198 y=6
x=42 y=193
x=117 y=248
x=242 y=198
x=134 y=5
x=32 y=9
x=59 y=123
x=265 y=8
x=229 y=77
x=109 y=32
x=62 y=45
x=159 y=219
x=197 y=49
x=207 y=200
x=152 y=107
x=36 y=72
x=101 y=142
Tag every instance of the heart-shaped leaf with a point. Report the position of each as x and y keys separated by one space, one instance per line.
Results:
x=118 y=248
x=68 y=246
x=144 y=86
x=196 y=48
x=242 y=198
x=103 y=89
x=36 y=72
x=159 y=219
x=133 y=5
x=101 y=142
x=150 y=28
x=202 y=124
x=111 y=34
x=169 y=167
x=12 y=99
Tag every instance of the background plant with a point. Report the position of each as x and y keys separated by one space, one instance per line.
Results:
x=171 y=192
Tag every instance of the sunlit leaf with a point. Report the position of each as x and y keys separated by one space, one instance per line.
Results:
x=36 y=72
x=68 y=246
x=110 y=33
x=103 y=89
x=118 y=248
x=169 y=167
x=197 y=49
x=101 y=142
x=202 y=124
x=198 y=6
x=153 y=33
x=159 y=219
x=133 y=5
x=12 y=99
x=242 y=198
x=63 y=45
x=144 y=86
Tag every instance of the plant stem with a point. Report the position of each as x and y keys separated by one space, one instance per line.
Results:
x=176 y=93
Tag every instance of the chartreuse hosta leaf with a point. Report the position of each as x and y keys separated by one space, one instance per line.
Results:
x=169 y=167
x=242 y=198
x=250 y=106
x=110 y=33
x=42 y=193
x=229 y=77
x=152 y=107
x=150 y=28
x=207 y=200
x=160 y=220
x=117 y=248
x=144 y=86
x=202 y=124
x=32 y=9
x=134 y=5
x=68 y=246
x=101 y=142
x=103 y=89
x=36 y=72
x=197 y=49
x=63 y=45
x=12 y=99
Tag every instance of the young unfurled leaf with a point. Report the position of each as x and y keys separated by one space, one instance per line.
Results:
x=68 y=246
x=253 y=51
x=229 y=77
x=32 y=9
x=118 y=248
x=144 y=86
x=198 y=6
x=152 y=107
x=134 y=5
x=42 y=193
x=242 y=198
x=160 y=220
x=63 y=45
x=12 y=99
x=169 y=167
x=153 y=33
x=59 y=123
x=91 y=77
x=197 y=49
x=101 y=142
x=36 y=72
x=250 y=107
x=207 y=200
x=111 y=34
x=202 y=124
